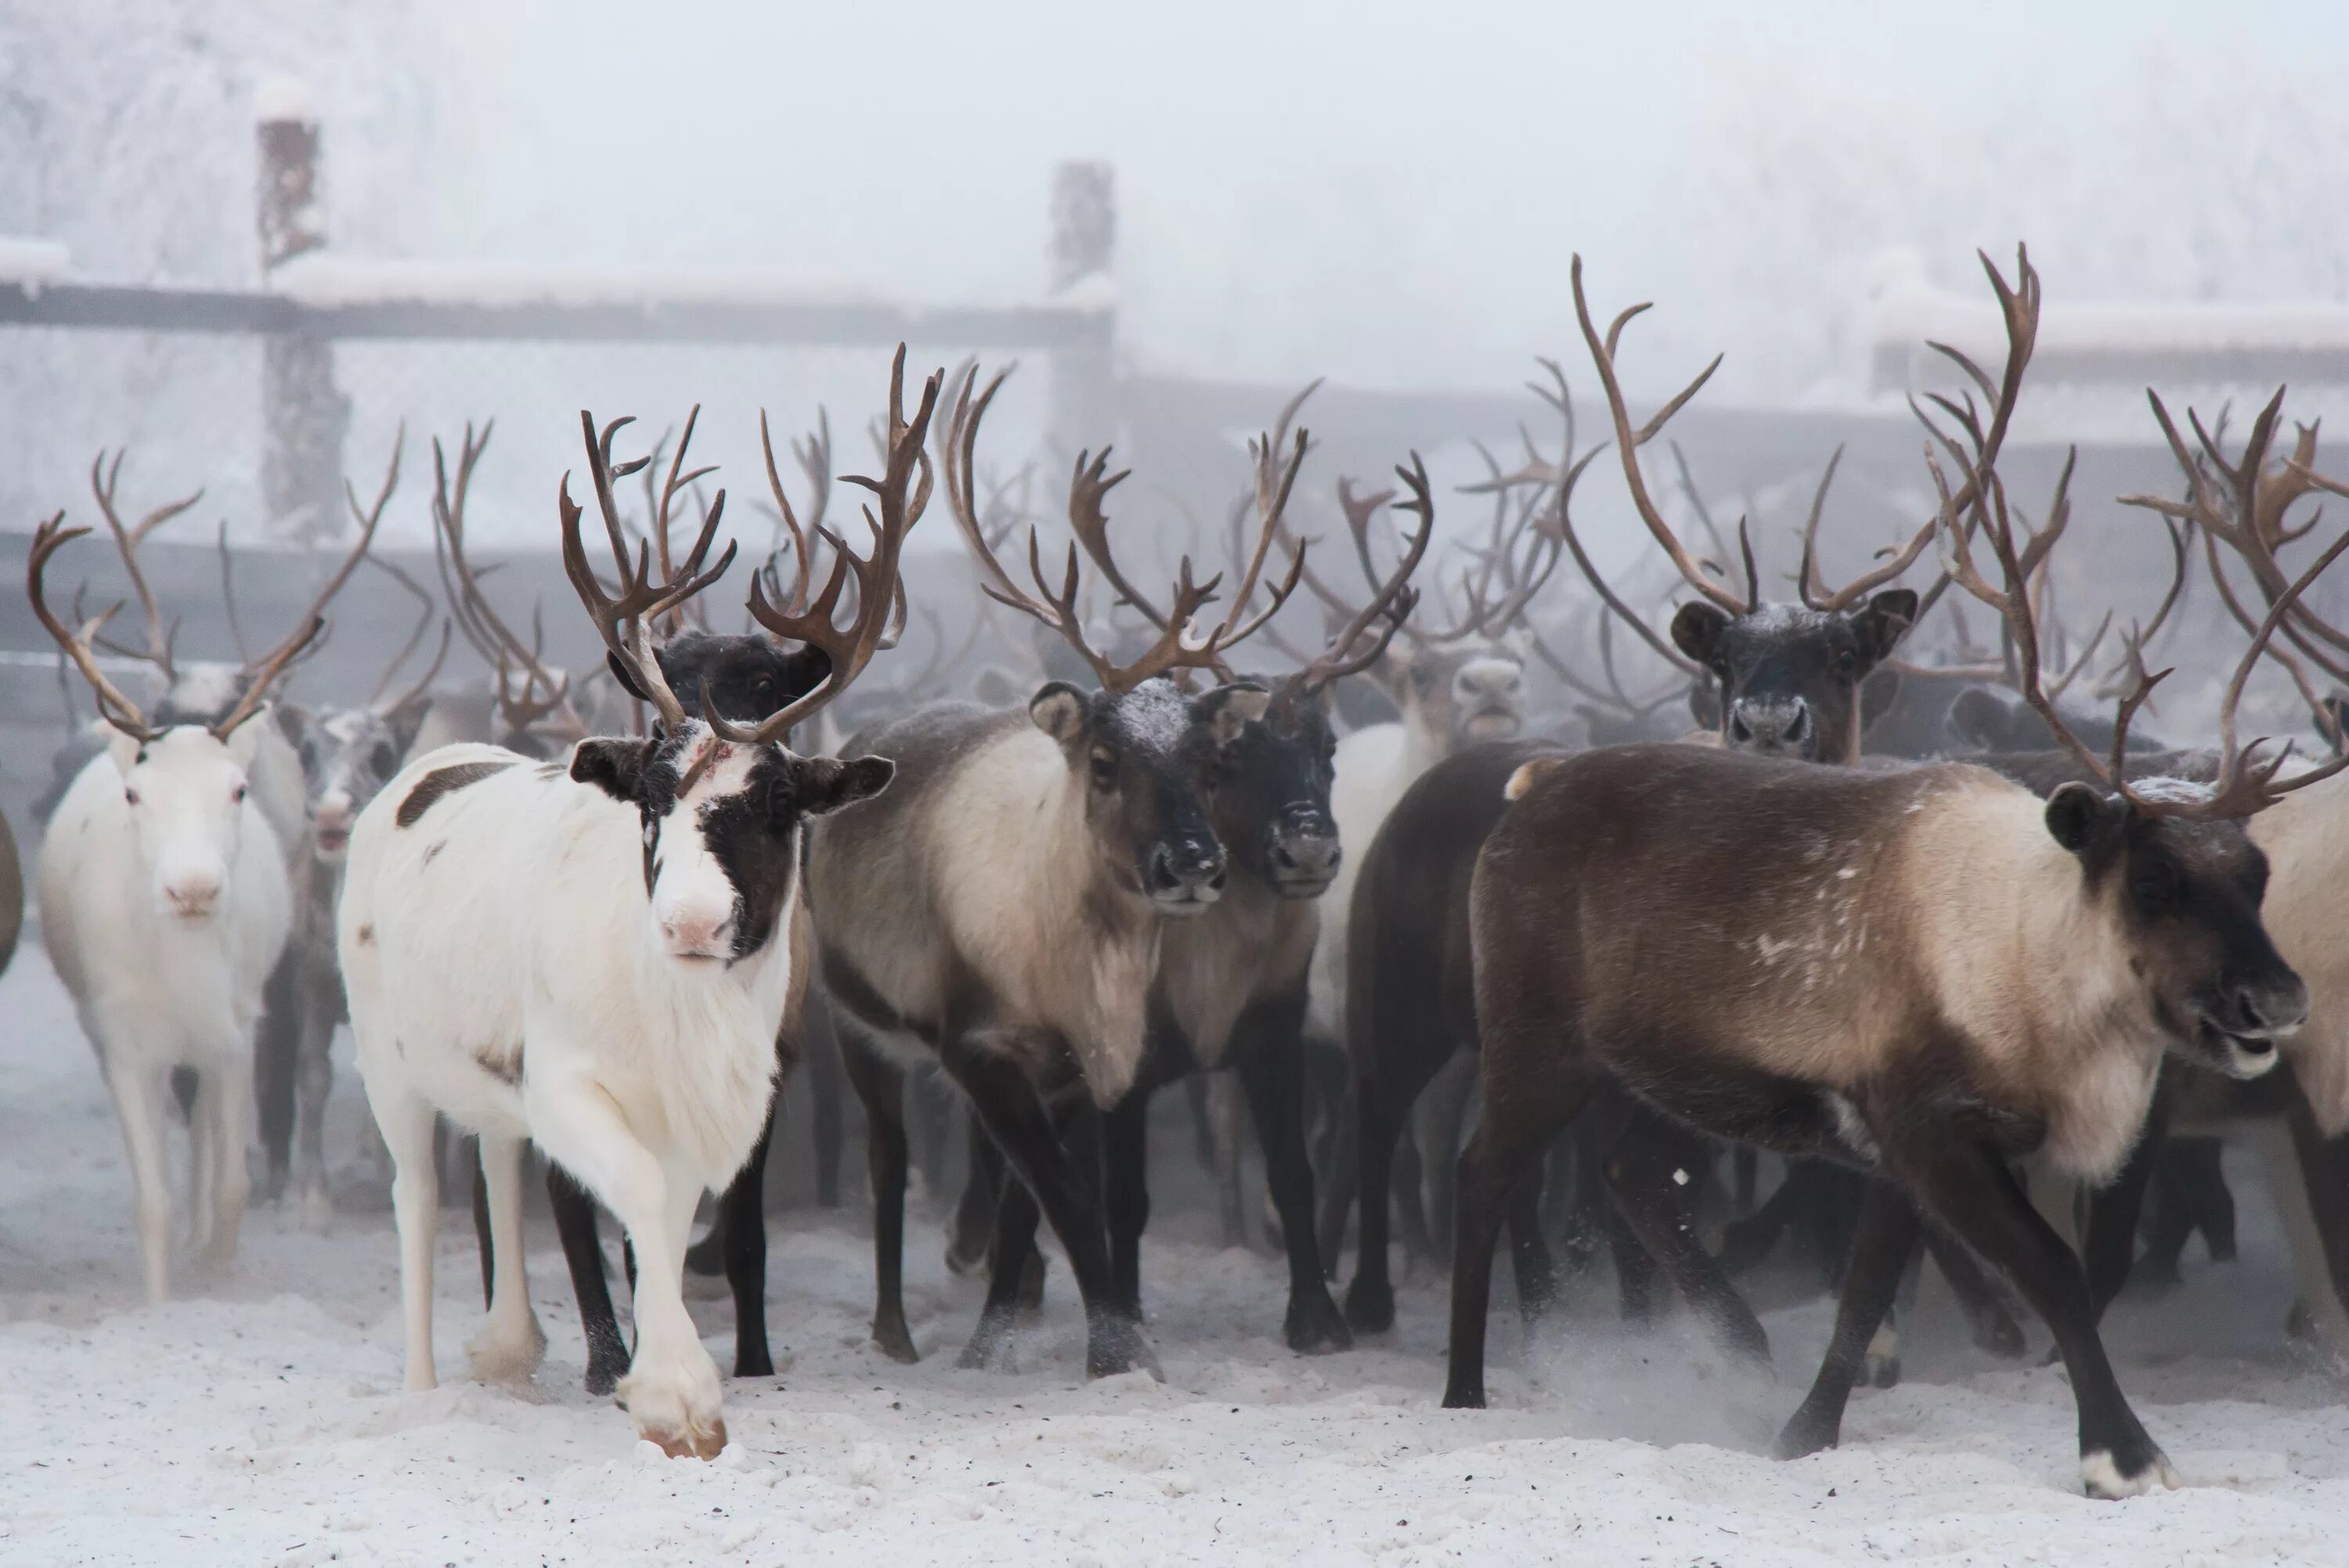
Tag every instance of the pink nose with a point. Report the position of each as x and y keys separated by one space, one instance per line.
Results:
x=194 y=897
x=695 y=936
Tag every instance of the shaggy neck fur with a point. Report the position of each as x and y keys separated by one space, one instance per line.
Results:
x=1053 y=933
x=2025 y=961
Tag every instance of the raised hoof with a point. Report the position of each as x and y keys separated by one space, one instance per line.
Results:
x=1369 y=1308
x=1314 y=1325
x=894 y=1341
x=2102 y=1475
x=689 y=1444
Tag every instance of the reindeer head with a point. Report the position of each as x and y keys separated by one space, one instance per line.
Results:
x=721 y=803
x=1144 y=753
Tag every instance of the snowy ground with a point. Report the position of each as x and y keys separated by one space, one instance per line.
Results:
x=264 y=1422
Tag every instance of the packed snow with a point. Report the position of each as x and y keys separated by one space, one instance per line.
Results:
x=261 y=1421
x=32 y=261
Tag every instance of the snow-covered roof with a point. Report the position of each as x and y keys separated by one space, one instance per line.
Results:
x=1910 y=311
x=24 y=261
x=324 y=280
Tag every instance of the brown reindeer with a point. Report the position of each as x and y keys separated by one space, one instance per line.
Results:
x=1927 y=973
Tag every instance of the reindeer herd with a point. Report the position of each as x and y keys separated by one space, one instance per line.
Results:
x=1982 y=964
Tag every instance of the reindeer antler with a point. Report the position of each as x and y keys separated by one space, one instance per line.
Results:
x=1089 y=483
x=104 y=480
x=78 y=645
x=880 y=596
x=1357 y=644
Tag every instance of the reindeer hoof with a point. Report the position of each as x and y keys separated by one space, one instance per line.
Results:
x=2103 y=1474
x=1115 y=1344
x=1805 y=1434
x=1315 y=1326
x=690 y=1444
x=507 y=1358
x=894 y=1341
x=1369 y=1308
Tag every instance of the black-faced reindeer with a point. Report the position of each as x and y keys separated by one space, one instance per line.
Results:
x=602 y=964
x=1002 y=909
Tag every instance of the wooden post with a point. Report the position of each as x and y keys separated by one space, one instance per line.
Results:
x=303 y=416
x=1084 y=393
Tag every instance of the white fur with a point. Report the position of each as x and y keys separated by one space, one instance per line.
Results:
x=506 y=969
x=163 y=918
x=2103 y=1478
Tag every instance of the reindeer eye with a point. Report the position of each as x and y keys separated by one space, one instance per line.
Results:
x=386 y=760
x=238 y=795
x=130 y=796
x=1104 y=768
x=2155 y=886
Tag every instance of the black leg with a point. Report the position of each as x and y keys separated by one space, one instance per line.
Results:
x=1968 y=1188
x=2109 y=1250
x=2324 y=1173
x=1504 y=1151
x=1992 y=1325
x=1340 y=1166
x=482 y=1229
x=1267 y=1052
x=1649 y=1171
x=1444 y=1105
x=583 y=1254
x=1407 y=1191
x=277 y=1057
x=1013 y=1247
x=2202 y=1177
x=1529 y=1259
x=1203 y=1121
x=1745 y=1175
x=742 y=1221
x=1888 y=1239
x=1126 y=1190
x=880 y=1086
x=1016 y=1118
x=968 y=1245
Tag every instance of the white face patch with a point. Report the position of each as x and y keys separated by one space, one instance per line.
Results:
x=694 y=903
x=187 y=816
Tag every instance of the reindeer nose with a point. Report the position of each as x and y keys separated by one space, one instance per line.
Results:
x=2271 y=1012
x=693 y=935
x=1768 y=726
x=193 y=894
x=1306 y=848
x=1186 y=872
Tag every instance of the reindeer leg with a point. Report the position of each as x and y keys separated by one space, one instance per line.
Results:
x=277 y=1056
x=742 y=1221
x=1016 y=1118
x=1267 y=1052
x=2109 y=1250
x=1126 y=1190
x=972 y=1236
x=1967 y=1187
x=511 y=1344
x=1649 y=1171
x=583 y=1254
x=880 y=1086
x=1888 y=1238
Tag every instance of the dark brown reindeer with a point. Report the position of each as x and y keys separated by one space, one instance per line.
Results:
x=1792 y=676
x=1929 y=973
x=1004 y=914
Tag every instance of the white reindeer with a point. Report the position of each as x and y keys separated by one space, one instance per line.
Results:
x=164 y=904
x=596 y=955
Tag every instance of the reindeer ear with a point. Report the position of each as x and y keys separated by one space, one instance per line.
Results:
x=2082 y=818
x=613 y=764
x=804 y=669
x=994 y=686
x=1229 y=709
x=293 y=720
x=1885 y=620
x=1697 y=629
x=1060 y=710
x=243 y=742
x=825 y=784
x=126 y=749
x=407 y=720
